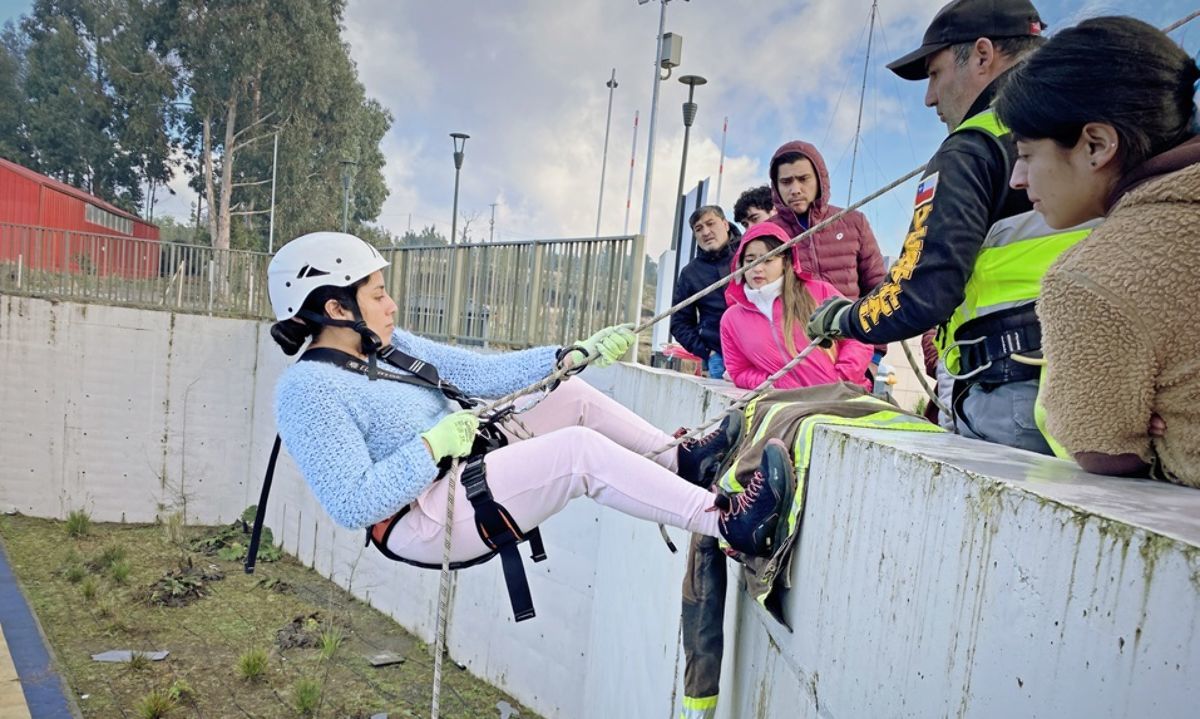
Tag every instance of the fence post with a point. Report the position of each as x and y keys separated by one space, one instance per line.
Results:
x=535 y=294
x=454 y=294
x=637 y=278
x=211 y=281
x=20 y=265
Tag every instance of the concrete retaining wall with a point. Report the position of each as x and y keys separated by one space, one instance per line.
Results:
x=935 y=577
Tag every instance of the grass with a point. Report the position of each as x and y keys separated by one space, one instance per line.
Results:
x=208 y=636
x=252 y=665
x=307 y=695
x=155 y=705
x=79 y=523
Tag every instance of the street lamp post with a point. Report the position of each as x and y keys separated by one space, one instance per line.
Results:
x=611 y=85
x=659 y=62
x=460 y=142
x=454 y=267
x=689 y=117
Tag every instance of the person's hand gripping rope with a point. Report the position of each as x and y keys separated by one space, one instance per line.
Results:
x=452 y=436
x=826 y=321
x=610 y=344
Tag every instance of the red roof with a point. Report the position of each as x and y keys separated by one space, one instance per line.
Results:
x=68 y=190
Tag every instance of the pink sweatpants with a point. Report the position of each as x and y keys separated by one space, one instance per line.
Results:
x=584 y=443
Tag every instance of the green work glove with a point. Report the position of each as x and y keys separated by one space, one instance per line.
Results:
x=452 y=436
x=826 y=322
x=610 y=344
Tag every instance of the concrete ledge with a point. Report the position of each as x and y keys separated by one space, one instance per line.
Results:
x=936 y=576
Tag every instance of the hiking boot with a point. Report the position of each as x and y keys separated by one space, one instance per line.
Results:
x=699 y=459
x=751 y=522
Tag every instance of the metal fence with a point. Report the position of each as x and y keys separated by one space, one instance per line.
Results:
x=513 y=294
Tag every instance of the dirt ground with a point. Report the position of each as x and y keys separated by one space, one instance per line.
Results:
x=113 y=589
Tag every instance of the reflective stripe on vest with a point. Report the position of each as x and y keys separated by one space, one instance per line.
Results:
x=1011 y=262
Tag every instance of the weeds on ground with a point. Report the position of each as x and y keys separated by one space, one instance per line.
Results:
x=110 y=555
x=89 y=587
x=331 y=639
x=232 y=542
x=306 y=693
x=156 y=704
x=138 y=662
x=119 y=571
x=79 y=523
x=252 y=665
x=182 y=692
x=182 y=586
x=74 y=572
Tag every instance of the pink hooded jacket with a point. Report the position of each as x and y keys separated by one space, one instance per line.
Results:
x=754 y=348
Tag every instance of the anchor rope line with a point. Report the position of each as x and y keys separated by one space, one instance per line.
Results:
x=561 y=375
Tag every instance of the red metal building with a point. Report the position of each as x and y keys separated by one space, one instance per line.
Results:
x=50 y=225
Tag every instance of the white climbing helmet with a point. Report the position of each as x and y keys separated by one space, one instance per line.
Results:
x=318 y=259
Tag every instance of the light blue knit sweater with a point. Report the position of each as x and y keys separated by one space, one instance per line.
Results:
x=358 y=442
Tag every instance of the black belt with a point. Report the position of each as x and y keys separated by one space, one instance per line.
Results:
x=986 y=345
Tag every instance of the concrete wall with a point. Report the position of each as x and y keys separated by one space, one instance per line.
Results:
x=935 y=576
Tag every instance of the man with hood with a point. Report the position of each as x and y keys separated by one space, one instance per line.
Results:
x=698 y=327
x=963 y=205
x=844 y=254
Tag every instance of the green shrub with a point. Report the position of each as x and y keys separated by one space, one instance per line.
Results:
x=119 y=571
x=79 y=523
x=252 y=665
x=155 y=705
x=307 y=695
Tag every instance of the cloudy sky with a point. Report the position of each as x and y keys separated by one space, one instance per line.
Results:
x=526 y=79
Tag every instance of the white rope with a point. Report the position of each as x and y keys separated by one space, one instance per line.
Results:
x=443 y=606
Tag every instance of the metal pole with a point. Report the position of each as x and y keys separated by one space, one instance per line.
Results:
x=662 y=21
x=721 y=165
x=862 y=96
x=454 y=212
x=689 y=116
x=271 y=224
x=632 y=162
x=492 y=224
x=612 y=85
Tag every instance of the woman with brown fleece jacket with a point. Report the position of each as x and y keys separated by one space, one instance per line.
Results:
x=1111 y=134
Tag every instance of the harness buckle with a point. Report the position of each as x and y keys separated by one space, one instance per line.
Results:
x=474 y=479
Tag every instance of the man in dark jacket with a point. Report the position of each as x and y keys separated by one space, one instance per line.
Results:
x=964 y=193
x=698 y=327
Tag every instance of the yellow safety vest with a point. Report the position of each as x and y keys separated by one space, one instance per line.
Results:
x=1012 y=260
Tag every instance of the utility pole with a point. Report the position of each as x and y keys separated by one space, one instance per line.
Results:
x=492 y=224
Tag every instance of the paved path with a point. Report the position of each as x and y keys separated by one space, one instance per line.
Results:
x=30 y=688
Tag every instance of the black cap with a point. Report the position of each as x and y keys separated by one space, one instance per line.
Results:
x=967 y=21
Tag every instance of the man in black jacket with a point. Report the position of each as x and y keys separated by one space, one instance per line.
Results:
x=698 y=327
x=964 y=193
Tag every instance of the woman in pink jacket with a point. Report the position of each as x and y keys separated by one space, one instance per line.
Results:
x=763 y=329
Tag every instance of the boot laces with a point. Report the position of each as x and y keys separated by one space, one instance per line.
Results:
x=741 y=502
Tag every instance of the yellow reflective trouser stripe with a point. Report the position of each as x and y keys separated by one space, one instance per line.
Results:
x=1039 y=417
x=698 y=704
x=802 y=448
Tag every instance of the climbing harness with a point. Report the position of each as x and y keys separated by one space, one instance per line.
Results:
x=495 y=525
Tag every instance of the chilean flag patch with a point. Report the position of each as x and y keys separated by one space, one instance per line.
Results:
x=926 y=190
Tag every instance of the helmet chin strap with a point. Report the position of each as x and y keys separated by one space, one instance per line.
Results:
x=371 y=344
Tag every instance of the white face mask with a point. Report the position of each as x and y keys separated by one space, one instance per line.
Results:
x=764 y=297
